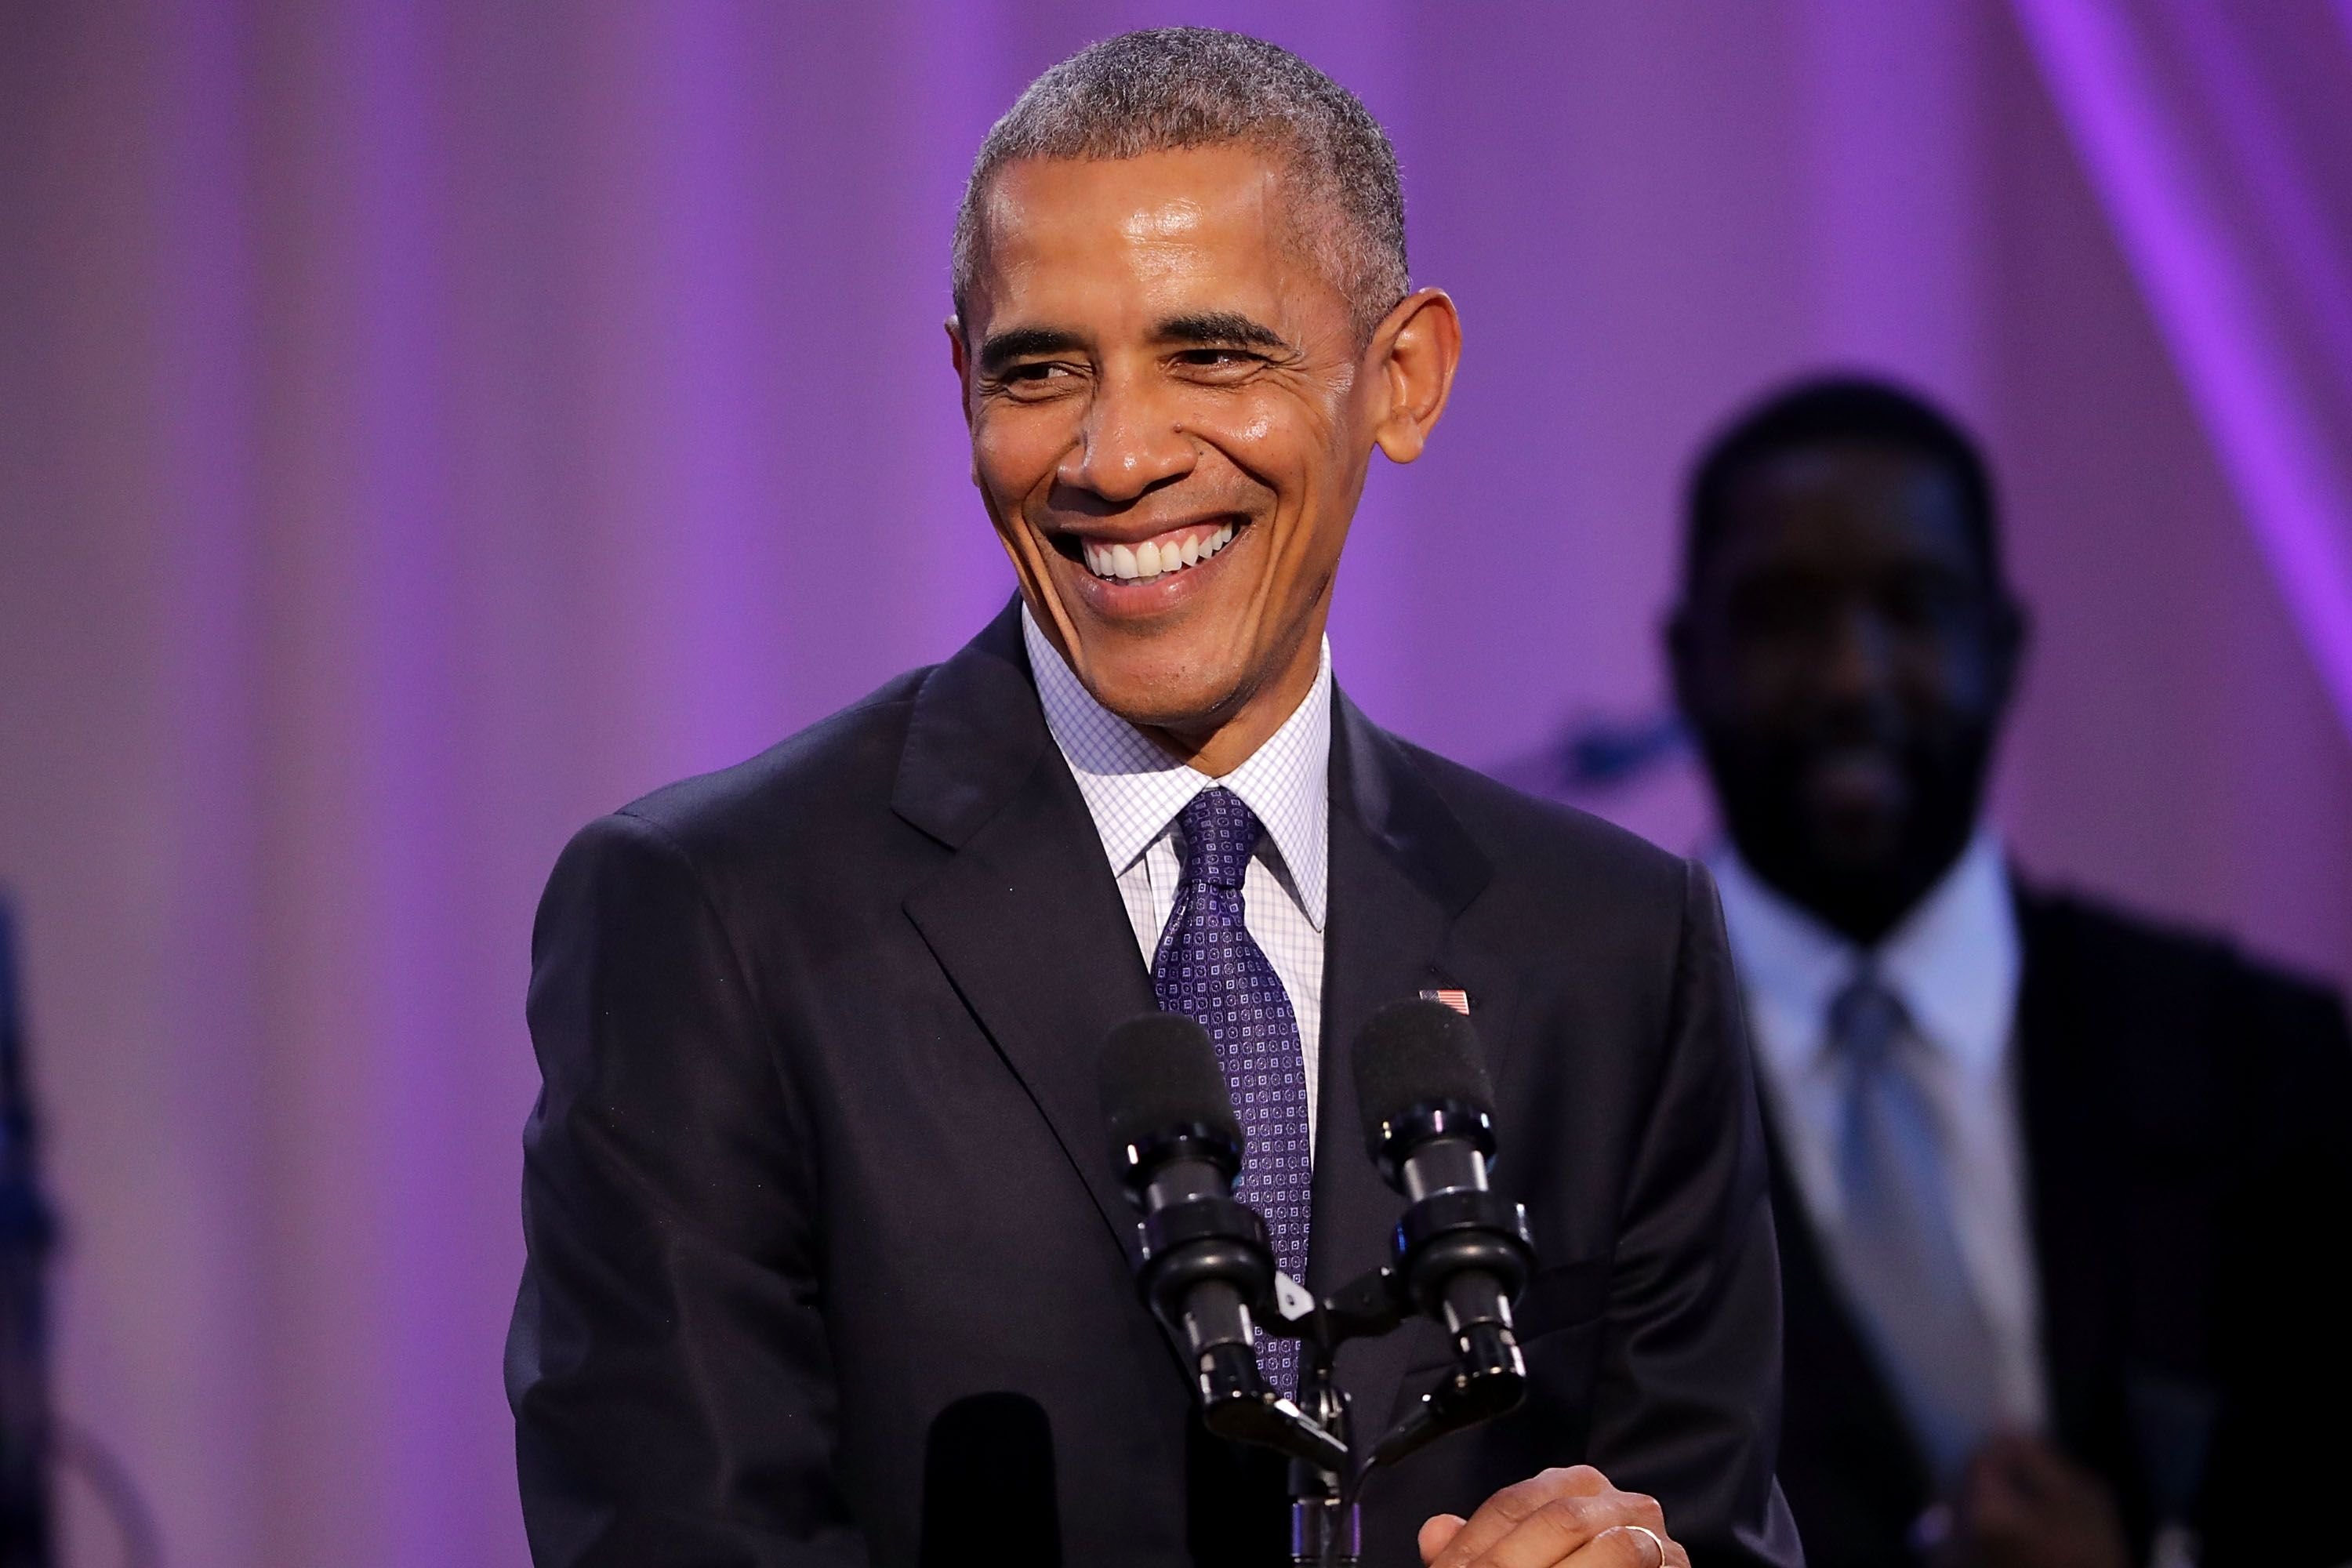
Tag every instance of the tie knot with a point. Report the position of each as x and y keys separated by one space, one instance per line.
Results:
x=1865 y=1020
x=1219 y=833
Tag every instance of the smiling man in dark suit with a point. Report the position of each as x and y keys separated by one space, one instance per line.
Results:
x=826 y=1258
x=2063 y=1195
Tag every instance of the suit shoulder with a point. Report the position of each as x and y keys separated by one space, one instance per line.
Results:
x=2136 y=945
x=1550 y=843
x=846 y=760
x=2107 y=930
x=2192 y=1002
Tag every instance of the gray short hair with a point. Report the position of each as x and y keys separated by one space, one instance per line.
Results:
x=1169 y=89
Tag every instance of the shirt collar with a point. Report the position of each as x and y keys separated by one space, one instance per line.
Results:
x=1134 y=790
x=1955 y=961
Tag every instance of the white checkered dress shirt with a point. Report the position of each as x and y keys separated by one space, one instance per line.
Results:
x=1135 y=790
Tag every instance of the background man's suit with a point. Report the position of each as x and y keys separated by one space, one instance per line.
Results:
x=818 y=1167
x=2190 y=1193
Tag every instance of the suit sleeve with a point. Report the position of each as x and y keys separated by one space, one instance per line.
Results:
x=668 y=1365
x=1687 y=1406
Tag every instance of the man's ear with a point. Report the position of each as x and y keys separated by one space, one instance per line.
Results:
x=1677 y=635
x=960 y=352
x=2012 y=635
x=1414 y=351
x=962 y=357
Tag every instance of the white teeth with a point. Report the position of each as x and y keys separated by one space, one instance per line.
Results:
x=1152 y=558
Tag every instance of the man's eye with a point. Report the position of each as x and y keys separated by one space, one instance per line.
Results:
x=1038 y=379
x=1215 y=359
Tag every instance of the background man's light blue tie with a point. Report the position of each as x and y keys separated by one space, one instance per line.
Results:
x=1900 y=1252
x=1211 y=970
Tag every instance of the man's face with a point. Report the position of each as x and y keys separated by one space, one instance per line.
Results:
x=1170 y=422
x=1846 y=660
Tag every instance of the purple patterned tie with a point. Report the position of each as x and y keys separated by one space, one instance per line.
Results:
x=1211 y=970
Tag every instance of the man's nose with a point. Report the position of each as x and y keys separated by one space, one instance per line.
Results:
x=1858 y=658
x=1128 y=442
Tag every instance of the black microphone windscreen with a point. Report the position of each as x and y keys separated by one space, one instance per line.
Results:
x=989 y=1479
x=1414 y=1052
x=1160 y=1071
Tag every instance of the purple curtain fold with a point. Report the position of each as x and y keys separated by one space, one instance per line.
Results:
x=2216 y=139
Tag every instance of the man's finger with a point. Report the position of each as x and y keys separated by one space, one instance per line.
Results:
x=1588 y=1531
x=1436 y=1531
x=1561 y=1536
x=2016 y=1479
x=1504 y=1512
x=1649 y=1547
x=2048 y=1474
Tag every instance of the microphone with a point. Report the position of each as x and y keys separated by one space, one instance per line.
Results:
x=987 y=1475
x=1463 y=1253
x=1177 y=1146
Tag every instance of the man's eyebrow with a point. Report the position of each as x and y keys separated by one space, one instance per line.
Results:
x=1001 y=349
x=1220 y=327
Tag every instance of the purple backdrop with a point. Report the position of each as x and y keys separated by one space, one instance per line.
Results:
x=428 y=425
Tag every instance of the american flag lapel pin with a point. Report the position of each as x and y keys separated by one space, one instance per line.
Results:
x=1453 y=996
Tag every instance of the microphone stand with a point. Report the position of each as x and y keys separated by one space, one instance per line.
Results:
x=1328 y=1466
x=1327 y=1529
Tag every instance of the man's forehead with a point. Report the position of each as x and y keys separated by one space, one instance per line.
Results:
x=1865 y=481
x=1867 y=499
x=1204 y=228
x=1207 y=195
x=1099 y=251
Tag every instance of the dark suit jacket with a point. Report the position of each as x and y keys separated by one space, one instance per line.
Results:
x=2186 y=1118
x=823 y=1230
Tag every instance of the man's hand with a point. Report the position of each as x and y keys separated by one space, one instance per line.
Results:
x=1571 y=1516
x=2023 y=1504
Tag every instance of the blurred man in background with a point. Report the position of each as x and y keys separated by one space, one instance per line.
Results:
x=2061 y=1194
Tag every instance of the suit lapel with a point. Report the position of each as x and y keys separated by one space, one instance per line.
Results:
x=1025 y=919
x=1401 y=868
x=2119 y=1087
x=2071 y=1160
